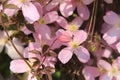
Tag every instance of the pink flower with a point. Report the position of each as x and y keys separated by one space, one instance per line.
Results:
x=90 y=73
x=4 y=42
x=74 y=47
x=71 y=26
x=42 y=30
x=109 y=71
x=20 y=66
x=113 y=34
x=29 y=10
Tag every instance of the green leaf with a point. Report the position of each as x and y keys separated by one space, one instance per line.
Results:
x=30 y=27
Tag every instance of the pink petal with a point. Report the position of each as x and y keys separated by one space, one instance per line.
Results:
x=103 y=64
x=112 y=35
x=63 y=36
x=80 y=36
x=65 y=55
x=93 y=71
x=118 y=46
x=50 y=17
x=111 y=18
x=83 y=11
x=108 y=1
x=52 y=4
x=66 y=8
x=18 y=66
x=105 y=28
x=107 y=53
x=62 y=22
x=105 y=77
x=10 y=12
x=78 y=21
x=11 y=50
x=30 y=12
x=39 y=8
x=82 y=54
x=42 y=31
x=86 y=2
x=90 y=73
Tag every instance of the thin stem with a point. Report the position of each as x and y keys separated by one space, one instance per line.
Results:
x=47 y=53
x=94 y=20
x=92 y=16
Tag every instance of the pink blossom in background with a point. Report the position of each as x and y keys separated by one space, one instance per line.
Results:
x=90 y=73
x=109 y=71
x=29 y=10
x=112 y=35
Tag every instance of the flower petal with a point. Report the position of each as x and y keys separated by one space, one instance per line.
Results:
x=30 y=12
x=62 y=22
x=118 y=46
x=66 y=8
x=105 y=77
x=11 y=50
x=93 y=71
x=65 y=55
x=50 y=17
x=82 y=54
x=104 y=65
x=52 y=4
x=83 y=11
x=80 y=36
x=111 y=18
x=112 y=35
x=19 y=66
x=78 y=21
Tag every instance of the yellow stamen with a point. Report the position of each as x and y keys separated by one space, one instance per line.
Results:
x=73 y=27
x=74 y=45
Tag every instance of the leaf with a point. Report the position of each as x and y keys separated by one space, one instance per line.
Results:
x=10 y=6
x=44 y=49
x=30 y=27
x=4 y=18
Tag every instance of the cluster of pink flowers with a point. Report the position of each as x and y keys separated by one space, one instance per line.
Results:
x=59 y=25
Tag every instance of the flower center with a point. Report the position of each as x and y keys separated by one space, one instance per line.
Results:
x=73 y=27
x=22 y=1
x=74 y=45
x=114 y=71
x=41 y=21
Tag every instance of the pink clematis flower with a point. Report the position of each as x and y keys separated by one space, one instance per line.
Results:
x=42 y=30
x=73 y=46
x=29 y=10
x=109 y=71
x=19 y=65
x=113 y=34
x=73 y=26
x=90 y=73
